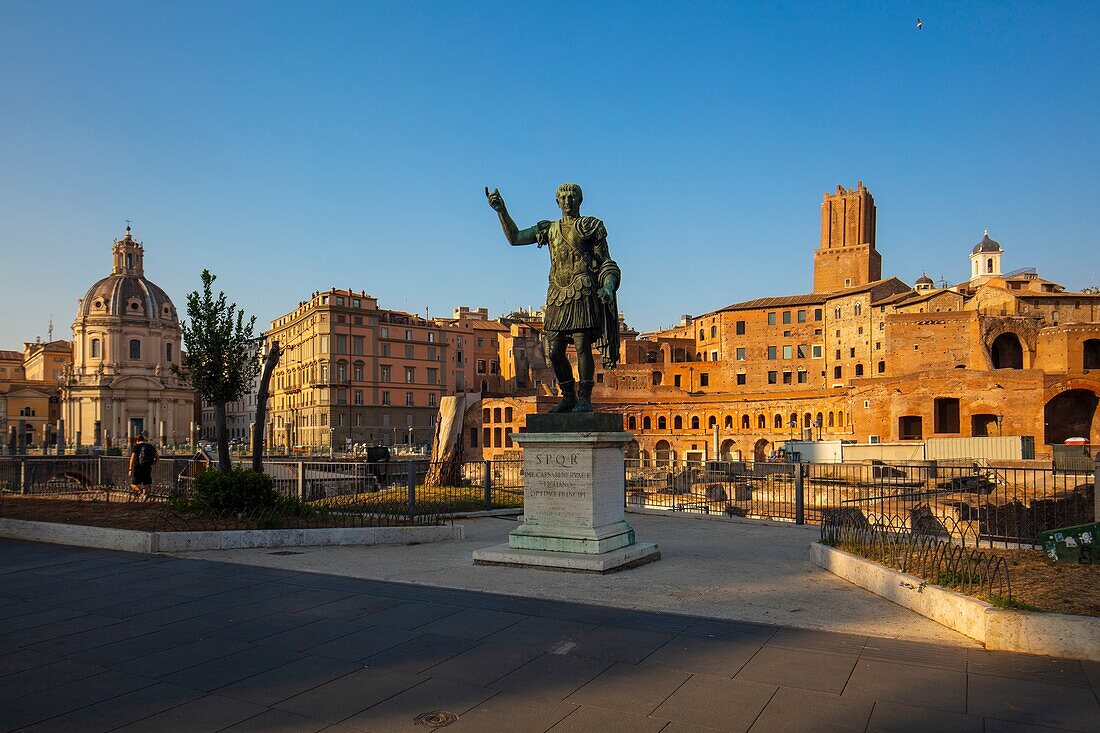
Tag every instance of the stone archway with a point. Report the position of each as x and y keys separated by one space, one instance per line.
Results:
x=1007 y=351
x=760 y=450
x=1071 y=414
x=631 y=452
x=725 y=453
x=663 y=453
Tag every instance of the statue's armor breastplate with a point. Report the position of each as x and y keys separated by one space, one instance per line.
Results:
x=572 y=265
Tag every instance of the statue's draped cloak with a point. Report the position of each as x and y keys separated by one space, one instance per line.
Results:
x=579 y=266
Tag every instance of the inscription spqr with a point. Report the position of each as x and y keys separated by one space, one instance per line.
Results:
x=558 y=490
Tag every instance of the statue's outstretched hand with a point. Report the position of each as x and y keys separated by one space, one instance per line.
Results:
x=495 y=199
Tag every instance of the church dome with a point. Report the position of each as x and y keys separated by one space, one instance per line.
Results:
x=987 y=245
x=925 y=280
x=126 y=293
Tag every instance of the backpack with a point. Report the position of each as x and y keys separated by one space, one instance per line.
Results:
x=146 y=454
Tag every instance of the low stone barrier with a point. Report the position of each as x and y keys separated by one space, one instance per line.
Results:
x=1051 y=634
x=129 y=540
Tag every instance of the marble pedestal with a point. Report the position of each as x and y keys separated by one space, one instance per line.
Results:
x=573 y=498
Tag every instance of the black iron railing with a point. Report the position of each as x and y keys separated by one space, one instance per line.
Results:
x=936 y=553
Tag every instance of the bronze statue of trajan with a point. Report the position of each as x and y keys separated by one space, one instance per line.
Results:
x=581 y=306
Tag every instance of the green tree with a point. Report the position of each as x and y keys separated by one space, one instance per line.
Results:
x=217 y=363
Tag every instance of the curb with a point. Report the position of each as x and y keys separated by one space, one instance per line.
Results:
x=1028 y=632
x=128 y=540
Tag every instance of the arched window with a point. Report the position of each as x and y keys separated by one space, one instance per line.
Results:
x=989 y=266
x=1091 y=354
x=702 y=334
x=714 y=331
x=859 y=308
x=358 y=371
x=832 y=419
x=792 y=420
x=728 y=424
x=712 y=421
x=96 y=349
x=807 y=420
x=819 y=420
x=677 y=423
x=777 y=421
x=496 y=414
x=631 y=423
x=761 y=422
x=859 y=370
x=657 y=378
x=646 y=423
x=744 y=422
x=836 y=312
x=694 y=422
x=840 y=418
x=135 y=349
x=169 y=351
x=661 y=423
x=1006 y=352
x=882 y=367
x=341 y=371
x=324 y=372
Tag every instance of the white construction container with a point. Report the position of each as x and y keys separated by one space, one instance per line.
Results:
x=1000 y=448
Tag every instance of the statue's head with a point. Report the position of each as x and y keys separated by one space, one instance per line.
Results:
x=569 y=198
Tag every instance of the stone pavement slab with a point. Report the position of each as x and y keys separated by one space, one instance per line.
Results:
x=744 y=570
x=312 y=657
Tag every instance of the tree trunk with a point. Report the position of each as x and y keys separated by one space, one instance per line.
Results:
x=224 y=462
x=261 y=407
x=446 y=466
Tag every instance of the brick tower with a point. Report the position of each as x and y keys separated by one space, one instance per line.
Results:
x=847 y=256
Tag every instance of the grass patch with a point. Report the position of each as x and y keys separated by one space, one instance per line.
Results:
x=429 y=500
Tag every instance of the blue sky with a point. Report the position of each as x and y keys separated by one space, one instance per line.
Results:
x=295 y=147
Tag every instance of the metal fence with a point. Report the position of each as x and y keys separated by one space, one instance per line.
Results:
x=392 y=488
x=972 y=502
x=761 y=490
x=104 y=478
x=933 y=553
x=976 y=501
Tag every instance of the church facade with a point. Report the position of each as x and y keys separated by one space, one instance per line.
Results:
x=126 y=337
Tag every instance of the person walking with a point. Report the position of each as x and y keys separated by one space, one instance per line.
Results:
x=143 y=456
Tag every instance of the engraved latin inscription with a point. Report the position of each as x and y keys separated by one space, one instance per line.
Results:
x=557 y=489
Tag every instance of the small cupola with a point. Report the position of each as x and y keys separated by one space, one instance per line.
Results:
x=924 y=283
x=985 y=258
x=129 y=256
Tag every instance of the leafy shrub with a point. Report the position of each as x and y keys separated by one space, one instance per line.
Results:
x=237 y=490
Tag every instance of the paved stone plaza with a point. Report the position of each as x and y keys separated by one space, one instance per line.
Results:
x=740 y=570
x=93 y=640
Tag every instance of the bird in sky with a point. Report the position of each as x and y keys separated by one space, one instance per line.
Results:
x=920 y=24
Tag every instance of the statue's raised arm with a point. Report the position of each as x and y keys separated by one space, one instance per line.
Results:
x=512 y=233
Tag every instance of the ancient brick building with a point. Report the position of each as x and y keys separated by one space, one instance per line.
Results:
x=859 y=358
